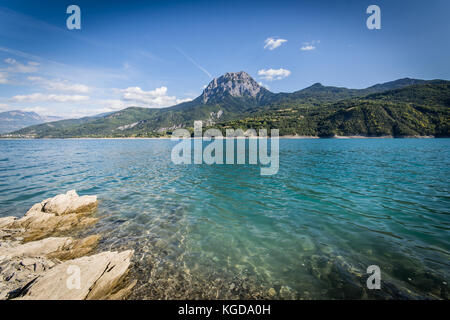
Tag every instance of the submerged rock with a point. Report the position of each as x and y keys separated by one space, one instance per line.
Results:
x=272 y=292
x=287 y=293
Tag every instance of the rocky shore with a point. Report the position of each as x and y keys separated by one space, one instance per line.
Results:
x=36 y=262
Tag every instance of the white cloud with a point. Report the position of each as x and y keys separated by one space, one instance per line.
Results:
x=272 y=43
x=308 y=46
x=40 y=97
x=273 y=74
x=60 y=85
x=18 y=67
x=4 y=78
x=183 y=100
x=157 y=98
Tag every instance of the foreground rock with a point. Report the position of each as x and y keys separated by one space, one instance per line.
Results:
x=17 y=273
x=6 y=221
x=67 y=203
x=57 y=267
x=63 y=248
x=93 y=277
x=52 y=216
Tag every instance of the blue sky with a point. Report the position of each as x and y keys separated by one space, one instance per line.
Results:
x=158 y=53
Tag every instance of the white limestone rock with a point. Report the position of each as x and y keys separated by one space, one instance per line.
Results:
x=6 y=221
x=70 y=202
x=36 y=248
x=98 y=275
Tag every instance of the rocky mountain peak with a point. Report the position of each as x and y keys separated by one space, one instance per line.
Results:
x=236 y=84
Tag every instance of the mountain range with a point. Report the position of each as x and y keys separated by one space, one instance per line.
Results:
x=404 y=107
x=16 y=119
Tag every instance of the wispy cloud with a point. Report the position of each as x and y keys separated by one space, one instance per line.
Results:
x=147 y=55
x=40 y=97
x=272 y=43
x=19 y=53
x=273 y=74
x=4 y=78
x=14 y=69
x=194 y=63
x=15 y=66
x=56 y=69
x=60 y=85
x=308 y=46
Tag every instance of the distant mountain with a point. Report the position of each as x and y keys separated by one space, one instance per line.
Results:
x=16 y=119
x=319 y=94
x=391 y=85
x=235 y=98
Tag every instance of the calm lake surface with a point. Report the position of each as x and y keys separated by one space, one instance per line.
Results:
x=224 y=231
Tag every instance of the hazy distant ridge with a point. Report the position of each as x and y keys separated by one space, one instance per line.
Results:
x=17 y=119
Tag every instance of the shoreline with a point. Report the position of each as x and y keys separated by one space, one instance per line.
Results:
x=280 y=137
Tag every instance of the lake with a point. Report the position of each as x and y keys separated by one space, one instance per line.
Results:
x=335 y=207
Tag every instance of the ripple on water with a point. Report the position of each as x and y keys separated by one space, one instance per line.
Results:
x=223 y=232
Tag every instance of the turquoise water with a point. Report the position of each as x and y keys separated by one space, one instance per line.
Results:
x=224 y=231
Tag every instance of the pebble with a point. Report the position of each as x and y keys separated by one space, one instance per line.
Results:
x=308 y=245
x=286 y=293
x=272 y=292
